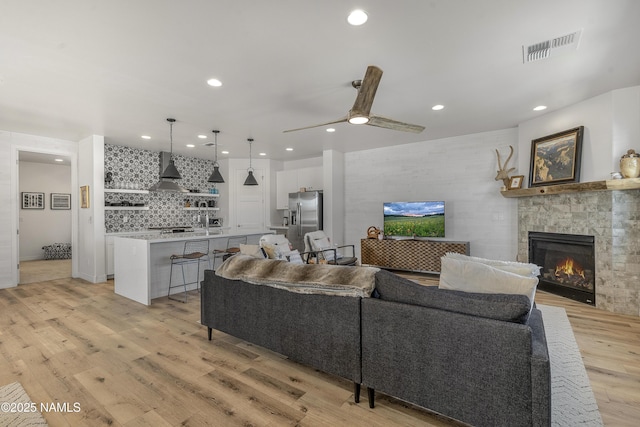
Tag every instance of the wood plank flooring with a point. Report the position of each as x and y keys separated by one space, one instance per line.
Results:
x=129 y=365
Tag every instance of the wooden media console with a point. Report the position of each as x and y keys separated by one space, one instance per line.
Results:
x=409 y=255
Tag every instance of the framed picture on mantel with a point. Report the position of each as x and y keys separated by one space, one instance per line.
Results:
x=555 y=159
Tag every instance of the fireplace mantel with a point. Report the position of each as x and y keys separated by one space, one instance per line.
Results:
x=608 y=185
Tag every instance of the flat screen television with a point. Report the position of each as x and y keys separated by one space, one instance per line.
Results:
x=414 y=219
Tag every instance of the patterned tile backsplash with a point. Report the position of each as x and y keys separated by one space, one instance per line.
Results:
x=133 y=167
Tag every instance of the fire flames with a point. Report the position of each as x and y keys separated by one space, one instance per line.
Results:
x=569 y=267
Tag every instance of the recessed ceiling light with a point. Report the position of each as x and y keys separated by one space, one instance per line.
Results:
x=331 y=130
x=224 y=152
x=190 y=145
x=214 y=82
x=145 y=137
x=357 y=17
x=289 y=149
x=263 y=154
x=540 y=108
x=437 y=107
x=58 y=160
x=202 y=136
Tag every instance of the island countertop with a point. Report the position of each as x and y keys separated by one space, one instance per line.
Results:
x=142 y=262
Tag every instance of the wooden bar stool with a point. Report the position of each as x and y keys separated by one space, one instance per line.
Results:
x=195 y=251
x=233 y=247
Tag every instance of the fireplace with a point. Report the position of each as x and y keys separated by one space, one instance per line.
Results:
x=567 y=264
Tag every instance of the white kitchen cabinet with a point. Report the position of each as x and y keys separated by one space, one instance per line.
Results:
x=310 y=178
x=286 y=182
x=291 y=180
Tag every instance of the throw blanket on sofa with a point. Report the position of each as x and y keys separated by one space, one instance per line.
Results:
x=301 y=278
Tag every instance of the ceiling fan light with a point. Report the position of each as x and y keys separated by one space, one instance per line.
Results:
x=358 y=120
x=216 y=176
x=251 y=180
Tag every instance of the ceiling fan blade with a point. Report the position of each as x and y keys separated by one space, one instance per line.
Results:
x=383 y=122
x=344 y=119
x=367 y=91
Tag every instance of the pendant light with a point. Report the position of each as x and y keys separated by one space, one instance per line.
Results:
x=251 y=180
x=215 y=175
x=171 y=171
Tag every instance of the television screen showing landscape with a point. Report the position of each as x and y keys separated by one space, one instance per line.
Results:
x=419 y=219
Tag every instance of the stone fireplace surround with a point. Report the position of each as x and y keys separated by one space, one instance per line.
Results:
x=613 y=217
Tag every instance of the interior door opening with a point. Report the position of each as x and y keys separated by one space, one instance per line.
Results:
x=44 y=217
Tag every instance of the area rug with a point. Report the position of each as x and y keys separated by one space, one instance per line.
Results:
x=17 y=409
x=572 y=400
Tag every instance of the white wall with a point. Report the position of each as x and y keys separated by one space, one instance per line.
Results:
x=611 y=126
x=40 y=227
x=458 y=170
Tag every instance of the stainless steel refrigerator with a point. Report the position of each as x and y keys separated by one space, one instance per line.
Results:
x=305 y=215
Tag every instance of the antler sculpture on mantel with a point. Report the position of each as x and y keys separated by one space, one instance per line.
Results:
x=503 y=172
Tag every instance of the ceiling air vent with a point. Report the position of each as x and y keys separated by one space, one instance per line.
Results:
x=554 y=47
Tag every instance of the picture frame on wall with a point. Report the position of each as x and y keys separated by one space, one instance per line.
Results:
x=84 y=196
x=515 y=182
x=32 y=200
x=60 y=201
x=555 y=159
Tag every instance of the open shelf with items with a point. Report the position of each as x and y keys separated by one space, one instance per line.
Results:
x=126 y=208
x=608 y=185
x=195 y=208
x=123 y=190
x=201 y=194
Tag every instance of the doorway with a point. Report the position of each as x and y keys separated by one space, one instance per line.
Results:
x=44 y=216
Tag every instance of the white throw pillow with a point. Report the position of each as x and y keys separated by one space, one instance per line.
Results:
x=322 y=244
x=521 y=268
x=470 y=276
x=252 y=250
x=294 y=257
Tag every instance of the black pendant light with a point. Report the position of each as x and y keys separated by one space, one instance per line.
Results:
x=215 y=175
x=171 y=171
x=251 y=180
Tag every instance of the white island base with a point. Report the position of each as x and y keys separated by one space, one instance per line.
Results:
x=142 y=263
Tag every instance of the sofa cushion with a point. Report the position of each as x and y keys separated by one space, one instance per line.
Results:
x=252 y=250
x=506 y=307
x=520 y=268
x=466 y=275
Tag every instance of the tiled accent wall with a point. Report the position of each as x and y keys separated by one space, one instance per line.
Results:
x=132 y=165
x=613 y=218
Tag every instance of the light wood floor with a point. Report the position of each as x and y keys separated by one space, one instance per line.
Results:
x=126 y=364
x=42 y=270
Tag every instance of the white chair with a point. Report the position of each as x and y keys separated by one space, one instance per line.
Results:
x=195 y=251
x=318 y=244
x=282 y=248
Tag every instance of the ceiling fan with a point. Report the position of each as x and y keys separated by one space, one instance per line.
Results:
x=360 y=112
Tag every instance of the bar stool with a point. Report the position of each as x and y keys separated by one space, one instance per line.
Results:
x=233 y=247
x=195 y=251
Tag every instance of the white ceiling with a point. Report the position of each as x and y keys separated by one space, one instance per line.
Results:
x=71 y=68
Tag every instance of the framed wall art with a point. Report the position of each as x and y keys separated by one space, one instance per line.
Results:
x=84 y=196
x=515 y=182
x=555 y=159
x=32 y=200
x=60 y=201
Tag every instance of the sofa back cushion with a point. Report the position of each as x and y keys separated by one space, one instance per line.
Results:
x=506 y=307
x=469 y=274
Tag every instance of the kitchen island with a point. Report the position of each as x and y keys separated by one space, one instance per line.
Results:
x=142 y=261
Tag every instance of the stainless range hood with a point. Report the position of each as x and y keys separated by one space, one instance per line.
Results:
x=166 y=184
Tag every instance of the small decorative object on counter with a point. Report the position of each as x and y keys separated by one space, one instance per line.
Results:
x=630 y=164
x=373 y=233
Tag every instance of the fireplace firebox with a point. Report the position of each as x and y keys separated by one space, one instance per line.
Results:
x=567 y=264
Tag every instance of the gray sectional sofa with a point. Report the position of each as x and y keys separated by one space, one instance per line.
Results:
x=478 y=358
